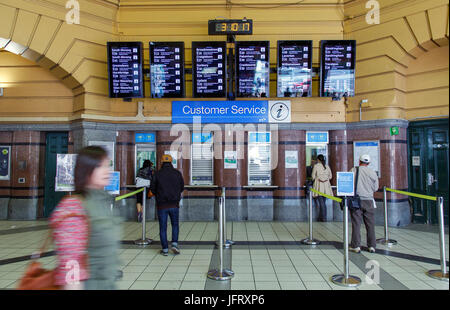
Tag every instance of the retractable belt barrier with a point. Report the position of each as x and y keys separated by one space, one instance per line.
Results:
x=144 y=240
x=344 y=279
x=436 y=274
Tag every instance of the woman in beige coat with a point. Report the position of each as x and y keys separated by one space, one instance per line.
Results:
x=322 y=175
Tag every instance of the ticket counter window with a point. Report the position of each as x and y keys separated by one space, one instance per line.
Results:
x=316 y=144
x=202 y=159
x=259 y=158
x=145 y=149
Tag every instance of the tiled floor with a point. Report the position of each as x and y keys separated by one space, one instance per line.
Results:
x=277 y=264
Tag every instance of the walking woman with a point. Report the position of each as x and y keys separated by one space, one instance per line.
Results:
x=322 y=175
x=143 y=178
x=89 y=238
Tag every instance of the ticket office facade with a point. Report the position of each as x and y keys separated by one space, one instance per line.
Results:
x=286 y=202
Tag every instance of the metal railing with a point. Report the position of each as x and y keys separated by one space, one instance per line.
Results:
x=436 y=274
x=144 y=240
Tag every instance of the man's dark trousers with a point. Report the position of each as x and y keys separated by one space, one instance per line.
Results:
x=162 y=217
x=366 y=213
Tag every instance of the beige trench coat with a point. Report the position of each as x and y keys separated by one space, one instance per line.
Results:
x=322 y=177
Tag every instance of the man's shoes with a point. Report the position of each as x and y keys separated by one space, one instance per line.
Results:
x=175 y=250
x=164 y=253
x=371 y=249
x=356 y=250
x=139 y=217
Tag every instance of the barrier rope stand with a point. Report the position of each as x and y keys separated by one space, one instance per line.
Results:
x=144 y=240
x=310 y=240
x=386 y=240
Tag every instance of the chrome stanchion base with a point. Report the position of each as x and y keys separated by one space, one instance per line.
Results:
x=143 y=241
x=387 y=242
x=217 y=275
x=437 y=274
x=227 y=244
x=339 y=279
x=310 y=241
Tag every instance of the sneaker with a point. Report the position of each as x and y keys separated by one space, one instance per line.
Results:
x=164 y=253
x=372 y=250
x=356 y=250
x=175 y=250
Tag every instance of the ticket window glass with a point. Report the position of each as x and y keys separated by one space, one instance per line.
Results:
x=144 y=152
x=259 y=159
x=316 y=144
x=202 y=159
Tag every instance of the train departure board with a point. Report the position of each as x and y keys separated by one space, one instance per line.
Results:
x=252 y=68
x=337 y=78
x=167 y=69
x=294 y=78
x=125 y=70
x=209 y=69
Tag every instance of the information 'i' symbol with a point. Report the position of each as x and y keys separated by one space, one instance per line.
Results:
x=279 y=111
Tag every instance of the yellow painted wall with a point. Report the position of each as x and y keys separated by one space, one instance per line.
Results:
x=76 y=54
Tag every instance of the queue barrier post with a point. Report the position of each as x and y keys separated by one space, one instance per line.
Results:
x=386 y=240
x=220 y=274
x=227 y=243
x=310 y=240
x=144 y=240
x=346 y=279
x=443 y=273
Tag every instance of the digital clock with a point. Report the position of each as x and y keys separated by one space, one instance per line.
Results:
x=230 y=26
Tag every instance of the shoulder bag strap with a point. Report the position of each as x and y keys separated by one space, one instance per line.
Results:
x=356 y=181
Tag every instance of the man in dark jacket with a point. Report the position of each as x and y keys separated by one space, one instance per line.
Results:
x=167 y=186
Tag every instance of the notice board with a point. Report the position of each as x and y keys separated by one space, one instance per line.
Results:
x=372 y=148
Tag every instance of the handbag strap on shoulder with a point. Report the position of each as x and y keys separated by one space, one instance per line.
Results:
x=356 y=181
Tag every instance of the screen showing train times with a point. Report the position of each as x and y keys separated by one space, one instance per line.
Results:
x=167 y=69
x=337 y=78
x=125 y=71
x=252 y=67
x=209 y=69
x=294 y=70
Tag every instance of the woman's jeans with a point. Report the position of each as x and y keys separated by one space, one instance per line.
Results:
x=162 y=217
x=320 y=201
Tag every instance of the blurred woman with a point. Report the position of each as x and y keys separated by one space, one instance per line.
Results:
x=144 y=175
x=86 y=233
x=322 y=175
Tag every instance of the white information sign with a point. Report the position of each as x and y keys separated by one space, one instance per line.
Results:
x=416 y=161
x=174 y=155
x=291 y=159
x=230 y=160
x=372 y=148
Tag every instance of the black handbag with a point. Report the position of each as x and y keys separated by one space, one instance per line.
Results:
x=354 y=203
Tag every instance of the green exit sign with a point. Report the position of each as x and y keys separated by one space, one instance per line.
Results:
x=394 y=131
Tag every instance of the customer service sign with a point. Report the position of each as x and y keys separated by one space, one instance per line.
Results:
x=228 y=112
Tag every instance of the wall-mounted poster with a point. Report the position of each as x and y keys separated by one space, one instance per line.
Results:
x=65 y=170
x=291 y=159
x=372 y=148
x=174 y=155
x=114 y=183
x=230 y=160
x=5 y=162
x=109 y=147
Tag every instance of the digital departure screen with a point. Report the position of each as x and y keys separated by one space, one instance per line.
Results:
x=167 y=69
x=252 y=67
x=294 y=78
x=337 y=68
x=209 y=69
x=125 y=70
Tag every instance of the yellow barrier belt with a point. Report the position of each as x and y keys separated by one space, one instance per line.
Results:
x=327 y=196
x=129 y=194
x=412 y=194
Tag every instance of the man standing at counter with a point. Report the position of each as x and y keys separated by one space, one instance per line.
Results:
x=167 y=186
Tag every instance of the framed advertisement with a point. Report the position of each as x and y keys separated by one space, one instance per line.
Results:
x=5 y=162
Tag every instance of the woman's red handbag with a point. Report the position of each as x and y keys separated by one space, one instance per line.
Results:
x=38 y=278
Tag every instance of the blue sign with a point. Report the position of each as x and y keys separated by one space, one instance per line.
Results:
x=202 y=137
x=144 y=138
x=369 y=143
x=259 y=137
x=316 y=137
x=345 y=184
x=114 y=183
x=226 y=112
